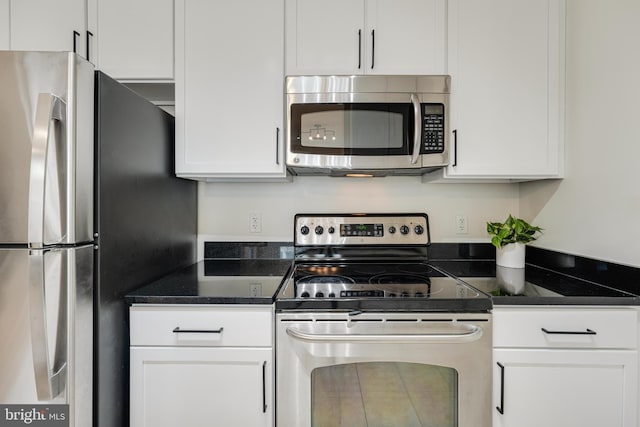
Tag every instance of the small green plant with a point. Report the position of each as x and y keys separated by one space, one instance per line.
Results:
x=513 y=230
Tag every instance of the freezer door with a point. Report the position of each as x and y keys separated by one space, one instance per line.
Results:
x=46 y=148
x=46 y=326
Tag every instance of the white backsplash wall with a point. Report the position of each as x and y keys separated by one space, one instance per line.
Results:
x=225 y=209
x=595 y=210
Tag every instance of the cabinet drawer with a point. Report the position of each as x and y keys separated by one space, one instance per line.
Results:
x=565 y=328
x=201 y=326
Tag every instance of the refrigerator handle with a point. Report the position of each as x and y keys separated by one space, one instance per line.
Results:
x=49 y=375
x=48 y=109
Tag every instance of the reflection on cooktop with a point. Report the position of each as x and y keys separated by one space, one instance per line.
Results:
x=492 y=286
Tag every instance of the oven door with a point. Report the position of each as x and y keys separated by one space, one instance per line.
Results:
x=383 y=369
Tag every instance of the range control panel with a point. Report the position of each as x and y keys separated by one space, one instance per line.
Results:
x=364 y=229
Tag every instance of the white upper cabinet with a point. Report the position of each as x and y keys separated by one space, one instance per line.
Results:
x=365 y=36
x=132 y=39
x=405 y=37
x=48 y=25
x=506 y=61
x=230 y=89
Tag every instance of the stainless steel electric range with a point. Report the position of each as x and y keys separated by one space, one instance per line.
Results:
x=369 y=333
x=371 y=262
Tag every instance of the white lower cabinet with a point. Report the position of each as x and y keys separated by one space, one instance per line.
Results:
x=580 y=371
x=201 y=366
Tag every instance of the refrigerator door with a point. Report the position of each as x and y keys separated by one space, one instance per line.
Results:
x=46 y=329
x=46 y=148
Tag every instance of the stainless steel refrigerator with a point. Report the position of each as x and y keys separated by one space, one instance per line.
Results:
x=89 y=209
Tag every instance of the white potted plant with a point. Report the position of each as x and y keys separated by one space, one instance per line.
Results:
x=510 y=238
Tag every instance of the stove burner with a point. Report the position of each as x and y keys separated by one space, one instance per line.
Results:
x=399 y=279
x=415 y=268
x=368 y=269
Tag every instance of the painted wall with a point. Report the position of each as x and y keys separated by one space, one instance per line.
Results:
x=224 y=209
x=595 y=210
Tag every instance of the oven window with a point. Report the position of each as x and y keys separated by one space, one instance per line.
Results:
x=351 y=129
x=384 y=394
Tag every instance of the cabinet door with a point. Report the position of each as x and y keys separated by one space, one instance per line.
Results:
x=570 y=388
x=229 y=89
x=200 y=387
x=506 y=60
x=48 y=25
x=405 y=37
x=325 y=36
x=133 y=39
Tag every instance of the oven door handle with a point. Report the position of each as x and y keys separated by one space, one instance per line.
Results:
x=470 y=333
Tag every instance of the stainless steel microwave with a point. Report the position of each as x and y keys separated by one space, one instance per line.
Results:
x=367 y=125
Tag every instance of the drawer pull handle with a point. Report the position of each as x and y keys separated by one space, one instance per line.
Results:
x=501 y=407
x=177 y=330
x=586 y=332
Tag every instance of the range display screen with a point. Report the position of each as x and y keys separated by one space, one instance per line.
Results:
x=371 y=230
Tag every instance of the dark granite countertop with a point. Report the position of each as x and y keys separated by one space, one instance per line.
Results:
x=217 y=281
x=533 y=285
x=550 y=278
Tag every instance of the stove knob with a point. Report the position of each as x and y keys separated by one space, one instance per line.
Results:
x=304 y=230
x=319 y=294
x=418 y=229
x=392 y=230
x=331 y=230
x=419 y=295
x=332 y=295
x=392 y=295
x=404 y=229
x=405 y=295
x=305 y=295
x=319 y=230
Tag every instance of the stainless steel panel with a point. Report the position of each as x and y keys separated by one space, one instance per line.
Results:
x=65 y=277
x=368 y=84
x=337 y=339
x=23 y=77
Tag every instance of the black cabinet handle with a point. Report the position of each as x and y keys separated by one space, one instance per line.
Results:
x=264 y=387
x=177 y=330
x=455 y=148
x=89 y=35
x=373 y=47
x=75 y=38
x=359 y=49
x=501 y=407
x=277 y=146
x=585 y=332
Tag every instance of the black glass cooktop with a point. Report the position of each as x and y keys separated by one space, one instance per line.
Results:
x=377 y=286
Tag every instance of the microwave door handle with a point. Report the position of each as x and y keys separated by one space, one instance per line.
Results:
x=416 y=128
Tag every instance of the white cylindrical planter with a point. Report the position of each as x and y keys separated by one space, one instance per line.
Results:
x=510 y=279
x=511 y=255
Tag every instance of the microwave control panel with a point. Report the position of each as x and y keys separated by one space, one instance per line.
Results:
x=432 y=128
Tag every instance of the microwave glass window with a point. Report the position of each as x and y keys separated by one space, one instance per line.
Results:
x=384 y=394
x=354 y=129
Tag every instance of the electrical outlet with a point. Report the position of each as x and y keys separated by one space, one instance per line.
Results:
x=255 y=289
x=462 y=225
x=255 y=222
